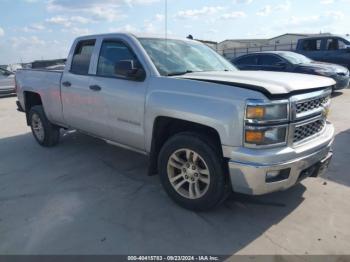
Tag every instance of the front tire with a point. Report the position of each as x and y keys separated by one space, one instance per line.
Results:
x=44 y=132
x=192 y=172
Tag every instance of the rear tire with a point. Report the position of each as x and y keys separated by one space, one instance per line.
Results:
x=192 y=172
x=44 y=132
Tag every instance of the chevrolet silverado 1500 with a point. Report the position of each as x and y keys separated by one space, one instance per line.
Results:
x=207 y=128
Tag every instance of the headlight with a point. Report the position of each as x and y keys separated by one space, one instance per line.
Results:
x=259 y=112
x=324 y=72
x=266 y=124
x=265 y=136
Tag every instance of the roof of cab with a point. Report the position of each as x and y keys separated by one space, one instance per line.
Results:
x=136 y=35
x=323 y=36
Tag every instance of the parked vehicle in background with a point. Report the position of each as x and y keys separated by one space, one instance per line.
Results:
x=14 y=67
x=331 y=49
x=286 y=61
x=56 y=67
x=7 y=82
x=41 y=64
x=207 y=128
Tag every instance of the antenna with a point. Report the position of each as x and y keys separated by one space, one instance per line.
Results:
x=166 y=19
x=166 y=26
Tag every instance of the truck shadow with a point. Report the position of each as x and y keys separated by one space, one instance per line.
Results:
x=337 y=171
x=7 y=96
x=87 y=197
x=336 y=94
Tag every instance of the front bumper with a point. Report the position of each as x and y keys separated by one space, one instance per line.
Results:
x=7 y=91
x=248 y=169
x=341 y=83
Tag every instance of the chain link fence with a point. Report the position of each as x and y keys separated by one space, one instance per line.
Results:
x=232 y=53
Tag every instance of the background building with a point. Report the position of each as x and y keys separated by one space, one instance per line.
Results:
x=231 y=48
x=211 y=44
x=235 y=48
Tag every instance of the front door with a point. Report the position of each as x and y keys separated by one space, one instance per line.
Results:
x=125 y=98
x=338 y=52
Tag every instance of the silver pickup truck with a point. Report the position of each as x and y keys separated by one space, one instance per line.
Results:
x=207 y=128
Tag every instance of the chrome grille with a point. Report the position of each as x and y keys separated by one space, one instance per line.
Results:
x=310 y=129
x=312 y=104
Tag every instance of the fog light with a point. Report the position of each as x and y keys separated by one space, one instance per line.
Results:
x=277 y=175
x=272 y=174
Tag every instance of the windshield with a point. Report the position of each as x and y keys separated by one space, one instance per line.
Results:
x=295 y=58
x=176 y=57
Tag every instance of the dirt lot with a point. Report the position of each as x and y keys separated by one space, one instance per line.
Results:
x=87 y=197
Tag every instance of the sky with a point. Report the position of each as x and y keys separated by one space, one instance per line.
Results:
x=45 y=29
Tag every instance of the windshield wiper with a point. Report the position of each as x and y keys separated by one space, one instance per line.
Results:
x=179 y=73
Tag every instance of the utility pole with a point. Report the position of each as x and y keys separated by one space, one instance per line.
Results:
x=166 y=19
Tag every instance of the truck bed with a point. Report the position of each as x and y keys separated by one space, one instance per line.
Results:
x=46 y=83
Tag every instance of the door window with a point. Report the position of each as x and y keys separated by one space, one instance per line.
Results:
x=248 y=60
x=269 y=60
x=111 y=53
x=82 y=57
x=336 y=44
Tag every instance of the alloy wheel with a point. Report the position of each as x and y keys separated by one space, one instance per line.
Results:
x=188 y=174
x=38 y=127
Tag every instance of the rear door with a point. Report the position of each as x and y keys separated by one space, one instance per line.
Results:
x=83 y=107
x=124 y=98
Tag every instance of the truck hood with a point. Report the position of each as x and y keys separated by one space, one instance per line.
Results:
x=270 y=83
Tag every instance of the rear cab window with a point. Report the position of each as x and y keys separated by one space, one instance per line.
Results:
x=82 y=57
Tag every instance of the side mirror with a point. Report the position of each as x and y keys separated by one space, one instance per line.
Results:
x=127 y=69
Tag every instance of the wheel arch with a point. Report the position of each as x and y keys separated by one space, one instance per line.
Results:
x=31 y=99
x=165 y=127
